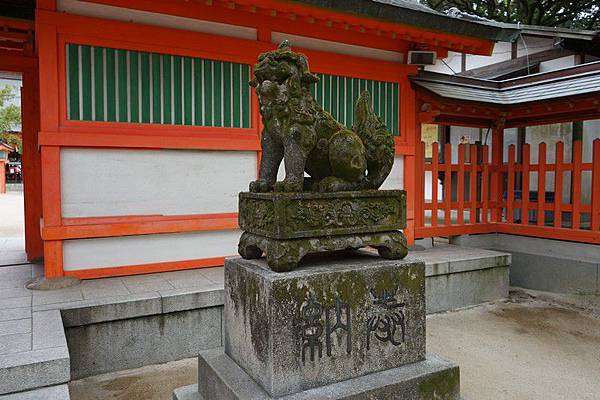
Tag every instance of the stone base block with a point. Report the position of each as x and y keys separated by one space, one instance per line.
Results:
x=285 y=254
x=287 y=226
x=330 y=320
x=433 y=378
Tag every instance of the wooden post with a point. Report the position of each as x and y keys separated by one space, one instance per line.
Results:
x=473 y=186
x=558 y=183
x=576 y=185
x=447 y=183
x=510 y=195
x=541 y=205
x=420 y=183
x=460 y=187
x=435 y=150
x=526 y=152
x=596 y=186
x=485 y=177
x=2 y=176
x=497 y=150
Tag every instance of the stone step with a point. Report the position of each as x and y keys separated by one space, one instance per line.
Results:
x=58 y=392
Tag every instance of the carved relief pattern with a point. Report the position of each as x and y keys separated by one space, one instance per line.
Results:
x=319 y=215
x=259 y=214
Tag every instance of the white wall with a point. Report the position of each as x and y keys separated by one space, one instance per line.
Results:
x=146 y=249
x=111 y=182
x=591 y=132
x=395 y=179
x=502 y=52
x=558 y=63
x=450 y=65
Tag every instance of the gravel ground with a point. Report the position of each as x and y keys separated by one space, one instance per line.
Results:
x=532 y=346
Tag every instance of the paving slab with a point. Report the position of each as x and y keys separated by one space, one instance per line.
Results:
x=48 y=330
x=15 y=302
x=15 y=343
x=15 y=326
x=146 y=283
x=8 y=314
x=8 y=293
x=58 y=392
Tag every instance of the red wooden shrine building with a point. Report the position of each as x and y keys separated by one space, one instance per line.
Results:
x=140 y=129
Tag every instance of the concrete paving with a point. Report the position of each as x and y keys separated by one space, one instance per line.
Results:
x=33 y=323
x=33 y=346
x=533 y=346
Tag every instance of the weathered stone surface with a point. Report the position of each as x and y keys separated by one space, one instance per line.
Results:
x=430 y=379
x=307 y=215
x=131 y=343
x=58 y=392
x=287 y=226
x=284 y=255
x=332 y=319
x=307 y=138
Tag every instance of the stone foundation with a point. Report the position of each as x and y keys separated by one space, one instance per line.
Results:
x=346 y=326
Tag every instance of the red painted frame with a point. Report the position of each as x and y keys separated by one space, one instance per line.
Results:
x=55 y=29
x=25 y=63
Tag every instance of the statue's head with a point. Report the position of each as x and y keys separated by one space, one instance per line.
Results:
x=281 y=65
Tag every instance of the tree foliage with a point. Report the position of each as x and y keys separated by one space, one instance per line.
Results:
x=575 y=14
x=10 y=117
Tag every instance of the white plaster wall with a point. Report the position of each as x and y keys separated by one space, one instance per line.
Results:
x=550 y=134
x=395 y=179
x=428 y=187
x=149 y=18
x=335 y=47
x=111 y=182
x=146 y=249
x=502 y=51
x=591 y=132
x=453 y=62
x=472 y=135
x=558 y=63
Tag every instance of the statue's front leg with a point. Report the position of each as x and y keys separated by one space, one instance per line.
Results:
x=272 y=153
x=295 y=161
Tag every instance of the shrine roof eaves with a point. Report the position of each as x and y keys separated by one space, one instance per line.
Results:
x=573 y=81
x=410 y=12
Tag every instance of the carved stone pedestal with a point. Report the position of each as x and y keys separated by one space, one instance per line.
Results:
x=338 y=327
x=287 y=226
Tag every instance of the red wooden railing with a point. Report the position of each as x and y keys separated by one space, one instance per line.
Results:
x=478 y=196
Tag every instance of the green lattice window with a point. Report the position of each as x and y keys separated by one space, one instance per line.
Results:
x=105 y=84
x=338 y=94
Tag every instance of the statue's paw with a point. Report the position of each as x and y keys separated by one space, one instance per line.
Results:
x=260 y=186
x=288 y=185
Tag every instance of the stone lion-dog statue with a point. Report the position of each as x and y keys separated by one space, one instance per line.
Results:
x=308 y=139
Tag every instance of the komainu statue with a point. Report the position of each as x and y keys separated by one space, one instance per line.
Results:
x=309 y=139
x=337 y=206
